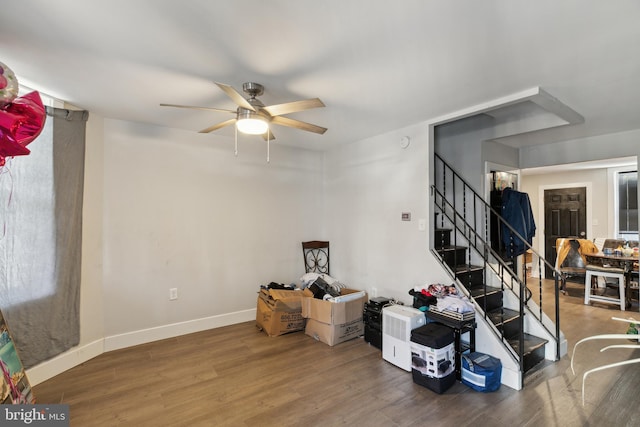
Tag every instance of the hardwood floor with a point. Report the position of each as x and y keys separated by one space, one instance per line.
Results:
x=238 y=376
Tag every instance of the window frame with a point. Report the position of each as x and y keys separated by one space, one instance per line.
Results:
x=615 y=201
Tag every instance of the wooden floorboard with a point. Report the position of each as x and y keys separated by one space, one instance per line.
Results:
x=238 y=376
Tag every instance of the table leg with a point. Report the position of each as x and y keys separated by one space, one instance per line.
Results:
x=627 y=287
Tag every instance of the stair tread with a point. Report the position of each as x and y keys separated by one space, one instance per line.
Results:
x=531 y=343
x=502 y=315
x=480 y=291
x=452 y=248
x=468 y=268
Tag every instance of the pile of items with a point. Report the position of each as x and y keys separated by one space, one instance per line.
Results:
x=440 y=297
x=321 y=306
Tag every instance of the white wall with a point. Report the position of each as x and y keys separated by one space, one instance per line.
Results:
x=369 y=183
x=91 y=303
x=180 y=211
x=464 y=146
x=166 y=208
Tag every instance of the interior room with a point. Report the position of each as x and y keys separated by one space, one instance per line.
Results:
x=140 y=223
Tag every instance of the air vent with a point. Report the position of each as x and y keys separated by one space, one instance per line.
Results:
x=394 y=327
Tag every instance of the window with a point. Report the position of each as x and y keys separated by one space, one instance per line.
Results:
x=41 y=228
x=627 y=205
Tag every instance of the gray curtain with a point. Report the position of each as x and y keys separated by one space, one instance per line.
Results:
x=41 y=239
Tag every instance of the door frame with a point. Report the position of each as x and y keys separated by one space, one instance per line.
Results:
x=490 y=166
x=541 y=189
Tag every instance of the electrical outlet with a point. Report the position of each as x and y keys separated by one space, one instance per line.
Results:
x=374 y=292
x=173 y=294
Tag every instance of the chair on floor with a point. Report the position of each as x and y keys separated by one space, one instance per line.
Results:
x=629 y=336
x=594 y=293
x=570 y=259
x=605 y=270
x=316 y=256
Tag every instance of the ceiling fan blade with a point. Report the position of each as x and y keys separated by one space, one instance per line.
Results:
x=235 y=96
x=218 y=126
x=285 y=121
x=293 y=107
x=198 y=108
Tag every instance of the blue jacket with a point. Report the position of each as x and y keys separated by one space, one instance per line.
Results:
x=516 y=211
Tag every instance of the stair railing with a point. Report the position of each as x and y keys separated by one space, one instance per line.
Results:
x=472 y=219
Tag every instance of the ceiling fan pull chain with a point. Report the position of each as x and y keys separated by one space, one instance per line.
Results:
x=268 y=140
x=236 y=143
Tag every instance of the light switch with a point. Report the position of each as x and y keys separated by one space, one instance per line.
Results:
x=422 y=224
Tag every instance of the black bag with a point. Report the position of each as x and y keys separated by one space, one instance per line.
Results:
x=433 y=335
x=421 y=300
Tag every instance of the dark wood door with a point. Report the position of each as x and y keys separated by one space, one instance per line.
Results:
x=565 y=215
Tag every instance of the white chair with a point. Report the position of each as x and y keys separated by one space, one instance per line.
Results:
x=594 y=271
x=628 y=335
x=595 y=292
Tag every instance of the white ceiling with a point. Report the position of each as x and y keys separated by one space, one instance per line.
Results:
x=377 y=65
x=620 y=162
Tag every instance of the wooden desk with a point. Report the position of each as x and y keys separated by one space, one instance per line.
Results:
x=615 y=261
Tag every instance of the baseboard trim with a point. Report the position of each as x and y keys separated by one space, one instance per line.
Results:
x=116 y=342
x=65 y=361
x=511 y=378
x=78 y=355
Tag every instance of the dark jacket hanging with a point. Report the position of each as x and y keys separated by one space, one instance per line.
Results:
x=516 y=211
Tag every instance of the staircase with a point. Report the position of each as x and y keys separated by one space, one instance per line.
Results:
x=516 y=325
x=508 y=322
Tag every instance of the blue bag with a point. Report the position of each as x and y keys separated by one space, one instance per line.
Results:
x=481 y=372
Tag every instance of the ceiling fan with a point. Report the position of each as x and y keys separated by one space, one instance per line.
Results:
x=253 y=117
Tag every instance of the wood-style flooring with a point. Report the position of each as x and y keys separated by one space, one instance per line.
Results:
x=238 y=376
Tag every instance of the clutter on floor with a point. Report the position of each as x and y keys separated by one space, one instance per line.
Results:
x=425 y=339
x=332 y=314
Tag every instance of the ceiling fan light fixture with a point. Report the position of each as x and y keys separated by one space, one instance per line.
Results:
x=251 y=123
x=254 y=118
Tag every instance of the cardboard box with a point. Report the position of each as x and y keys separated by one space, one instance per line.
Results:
x=333 y=313
x=279 y=312
x=334 y=334
x=333 y=322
